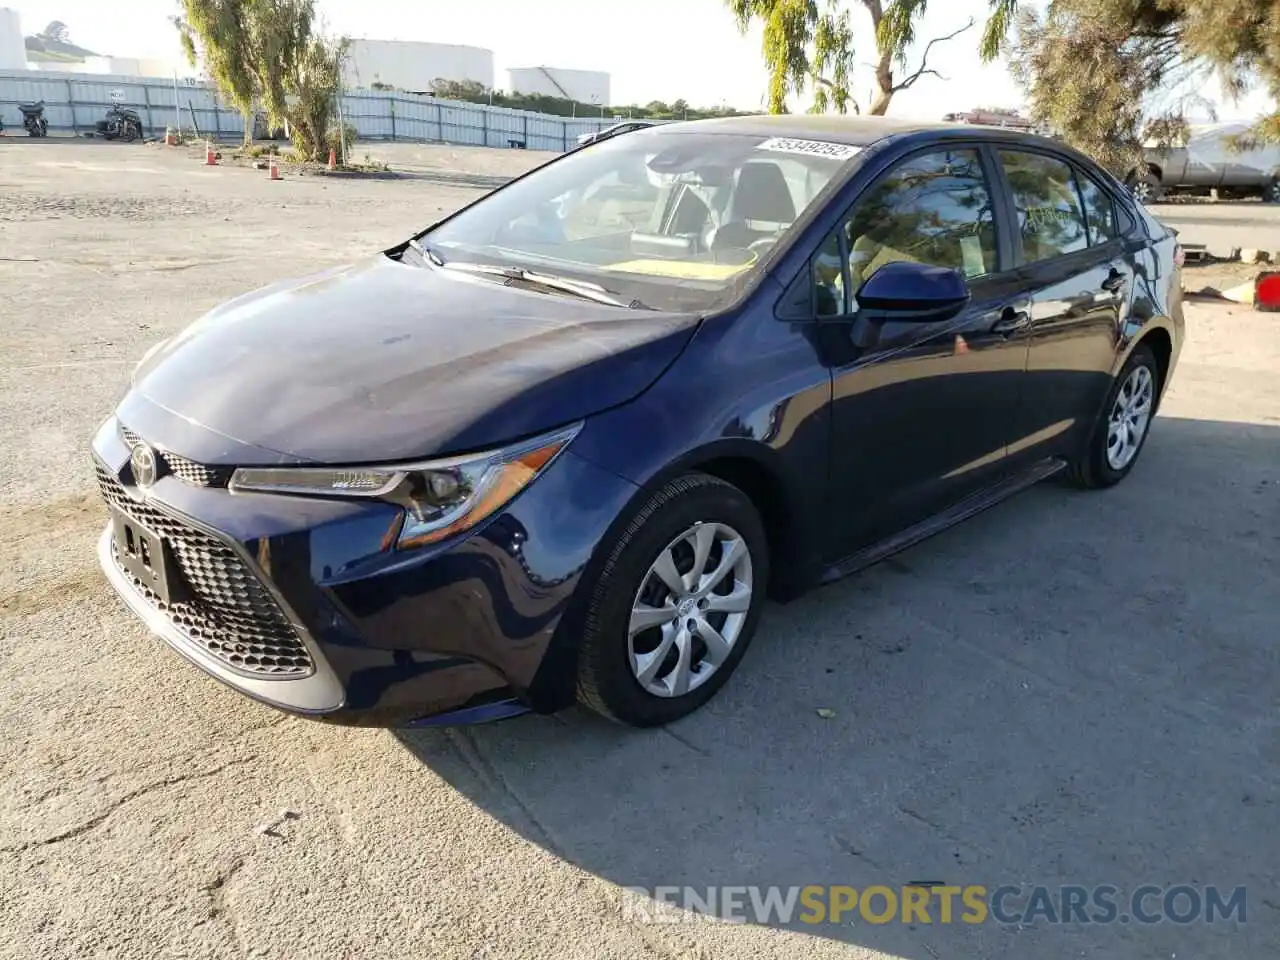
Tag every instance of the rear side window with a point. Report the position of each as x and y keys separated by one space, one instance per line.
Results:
x=1099 y=211
x=1050 y=216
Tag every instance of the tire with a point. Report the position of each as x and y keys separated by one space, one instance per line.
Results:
x=1147 y=189
x=1096 y=467
x=612 y=661
x=1271 y=192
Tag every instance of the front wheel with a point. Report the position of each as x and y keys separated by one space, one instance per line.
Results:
x=676 y=603
x=1121 y=431
x=1271 y=192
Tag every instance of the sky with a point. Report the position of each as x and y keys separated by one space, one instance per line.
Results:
x=653 y=49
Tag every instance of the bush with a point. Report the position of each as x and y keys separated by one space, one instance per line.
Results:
x=334 y=142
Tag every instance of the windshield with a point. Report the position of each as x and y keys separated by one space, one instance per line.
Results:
x=677 y=219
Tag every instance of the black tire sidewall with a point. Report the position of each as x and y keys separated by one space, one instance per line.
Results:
x=1103 y=473
x=606 y=682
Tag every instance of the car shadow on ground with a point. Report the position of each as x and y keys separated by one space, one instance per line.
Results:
x=1073 y=688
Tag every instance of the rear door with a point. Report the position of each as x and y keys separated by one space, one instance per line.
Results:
x=1080 y=278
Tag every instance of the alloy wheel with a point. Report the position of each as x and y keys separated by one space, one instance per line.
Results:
x=690 y=609
x=1130 y=417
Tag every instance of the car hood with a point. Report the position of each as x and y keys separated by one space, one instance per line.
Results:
x=383 y=360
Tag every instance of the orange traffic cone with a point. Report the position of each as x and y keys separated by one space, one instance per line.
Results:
x=333 y=159
x=274 y=170
x=210 y=158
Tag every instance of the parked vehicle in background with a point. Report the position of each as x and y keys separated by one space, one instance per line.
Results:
x=33 y=119
x=562 y=443
x=627 y=126
x=120 y=123
x=1006 y=119
x=1207 y=162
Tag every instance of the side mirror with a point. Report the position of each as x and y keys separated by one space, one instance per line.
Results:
x=905 y=291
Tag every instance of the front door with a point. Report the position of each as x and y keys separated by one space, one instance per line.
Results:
x=921 y=412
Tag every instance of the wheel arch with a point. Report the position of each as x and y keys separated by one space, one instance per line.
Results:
x=1160 y=341
x=751 y=466
x=755 y=468
x=1159 y=338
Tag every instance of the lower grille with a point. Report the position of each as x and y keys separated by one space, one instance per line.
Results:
x=230 y=614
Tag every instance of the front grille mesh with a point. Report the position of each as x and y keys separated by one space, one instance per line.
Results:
x=196 y=474
x=230 y=614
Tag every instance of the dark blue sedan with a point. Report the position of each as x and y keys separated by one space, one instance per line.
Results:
x=564 y=443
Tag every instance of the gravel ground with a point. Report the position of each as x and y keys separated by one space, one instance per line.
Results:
x=1071 y=688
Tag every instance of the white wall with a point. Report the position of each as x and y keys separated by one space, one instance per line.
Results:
x=588 y=86
x=13 y=52
x=408 y=65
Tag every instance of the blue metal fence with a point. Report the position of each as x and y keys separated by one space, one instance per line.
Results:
x=74 y=102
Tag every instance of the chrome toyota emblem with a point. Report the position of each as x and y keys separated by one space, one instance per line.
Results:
x=142 y=460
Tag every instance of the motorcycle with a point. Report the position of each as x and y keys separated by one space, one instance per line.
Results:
x=33 y=119
x=122 y=123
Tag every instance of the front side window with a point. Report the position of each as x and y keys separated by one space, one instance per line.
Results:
x=1050 y=218
x=934 y=208
x=672 y=218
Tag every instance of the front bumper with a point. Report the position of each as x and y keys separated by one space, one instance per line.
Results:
x=375 y=636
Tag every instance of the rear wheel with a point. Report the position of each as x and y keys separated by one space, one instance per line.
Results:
x=1271 y=192
x=1121 y=431
x=676 y=604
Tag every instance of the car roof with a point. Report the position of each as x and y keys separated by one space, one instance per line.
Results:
x=855 y=131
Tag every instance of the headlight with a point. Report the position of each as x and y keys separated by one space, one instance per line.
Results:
x=442 y=498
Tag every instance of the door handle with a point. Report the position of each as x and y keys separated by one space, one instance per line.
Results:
x=1114 y=282
x=1011 y=320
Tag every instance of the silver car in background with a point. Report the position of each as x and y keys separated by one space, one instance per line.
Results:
x=1207 y=163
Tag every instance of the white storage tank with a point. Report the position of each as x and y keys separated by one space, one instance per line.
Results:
x=13 y=51
x=585 y=86
x=412 y=66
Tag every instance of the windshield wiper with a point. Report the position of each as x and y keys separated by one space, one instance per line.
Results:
x=578 y=288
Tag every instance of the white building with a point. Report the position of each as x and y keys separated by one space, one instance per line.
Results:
x=585 y=86
x=117 y=66
x=412 y=66
x=13 y=50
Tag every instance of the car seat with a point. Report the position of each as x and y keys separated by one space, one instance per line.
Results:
x=761 y=208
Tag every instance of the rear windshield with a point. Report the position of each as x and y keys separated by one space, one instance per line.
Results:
x=679 y=219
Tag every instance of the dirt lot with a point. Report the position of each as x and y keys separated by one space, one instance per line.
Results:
x=1072 y=688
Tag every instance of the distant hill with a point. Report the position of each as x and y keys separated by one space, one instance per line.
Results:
x=40 y=48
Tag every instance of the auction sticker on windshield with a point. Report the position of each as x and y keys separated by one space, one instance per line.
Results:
x=814 y=148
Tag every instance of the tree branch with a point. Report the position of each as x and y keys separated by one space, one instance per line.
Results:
x=924 y=68
x=824 y=82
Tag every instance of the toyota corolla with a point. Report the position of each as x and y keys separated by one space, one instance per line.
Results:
x=562 y=444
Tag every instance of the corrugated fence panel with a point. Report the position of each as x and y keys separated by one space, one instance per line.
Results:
x=75 y=102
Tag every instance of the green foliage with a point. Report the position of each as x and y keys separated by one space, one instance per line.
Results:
x=469 y=91
x=809 y=44
x=55 y=31
x=1109 y=76
x=268 y=52
x=335 y=141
